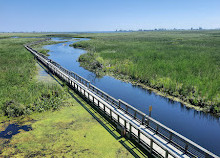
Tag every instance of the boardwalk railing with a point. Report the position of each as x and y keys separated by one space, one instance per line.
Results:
x=155 y=137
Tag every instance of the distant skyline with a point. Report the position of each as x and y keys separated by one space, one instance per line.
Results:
x=97 y=15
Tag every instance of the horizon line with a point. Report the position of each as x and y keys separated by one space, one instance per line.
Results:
x=117 y=30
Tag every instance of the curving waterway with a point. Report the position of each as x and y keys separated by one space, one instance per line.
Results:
x=203 y=129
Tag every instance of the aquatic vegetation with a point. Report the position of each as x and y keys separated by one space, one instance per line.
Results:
x=19 y=92
x=184 y=64
x=73 y=131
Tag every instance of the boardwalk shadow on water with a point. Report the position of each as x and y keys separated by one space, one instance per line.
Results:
x=12 y=130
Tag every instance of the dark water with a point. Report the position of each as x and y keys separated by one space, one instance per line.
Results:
x=201 y=128
x=13 y=129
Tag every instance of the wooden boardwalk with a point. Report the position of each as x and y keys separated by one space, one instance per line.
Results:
x=156 y=138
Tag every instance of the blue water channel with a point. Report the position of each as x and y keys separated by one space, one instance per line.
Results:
x=203 y=129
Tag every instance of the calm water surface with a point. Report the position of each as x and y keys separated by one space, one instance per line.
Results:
x=201 y=128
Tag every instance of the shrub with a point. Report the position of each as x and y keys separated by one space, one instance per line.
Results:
x=13 y=109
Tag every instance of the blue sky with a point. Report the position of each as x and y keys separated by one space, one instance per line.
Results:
x=101 y=15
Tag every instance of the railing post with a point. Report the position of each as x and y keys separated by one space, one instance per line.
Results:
x=157 y=128
x=186 y=148
x=135 y=113
x=119 y=103
x=98 y=103
x=151 y=146
x=118 y=119
x=142 y=121
x=126 y=110
x=166 y=154
x=170 y=138
x=148 y=122
x=130 y=130
x=139 y=133
x=113 y=102
x=125 y=127
x=110 y=113
x=207 y=155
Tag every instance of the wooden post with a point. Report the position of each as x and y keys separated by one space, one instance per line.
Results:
x=148 y=122
x=123 y=131
x=151 y=146
x=130 y=131
x=170 y=138
x=135 y=113
x=118 y=119
x=166 y=154
x=139 y=133
x=157 y=128
x=142 y=121
x=186 y=148
x=125 y=123
x=110 y=113
x=119 y=104
x=98 y=104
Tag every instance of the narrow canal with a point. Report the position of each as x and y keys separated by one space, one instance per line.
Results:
x=199 y=127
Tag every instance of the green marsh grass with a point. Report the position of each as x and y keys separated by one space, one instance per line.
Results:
x=184 y=64
x=19 y=92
